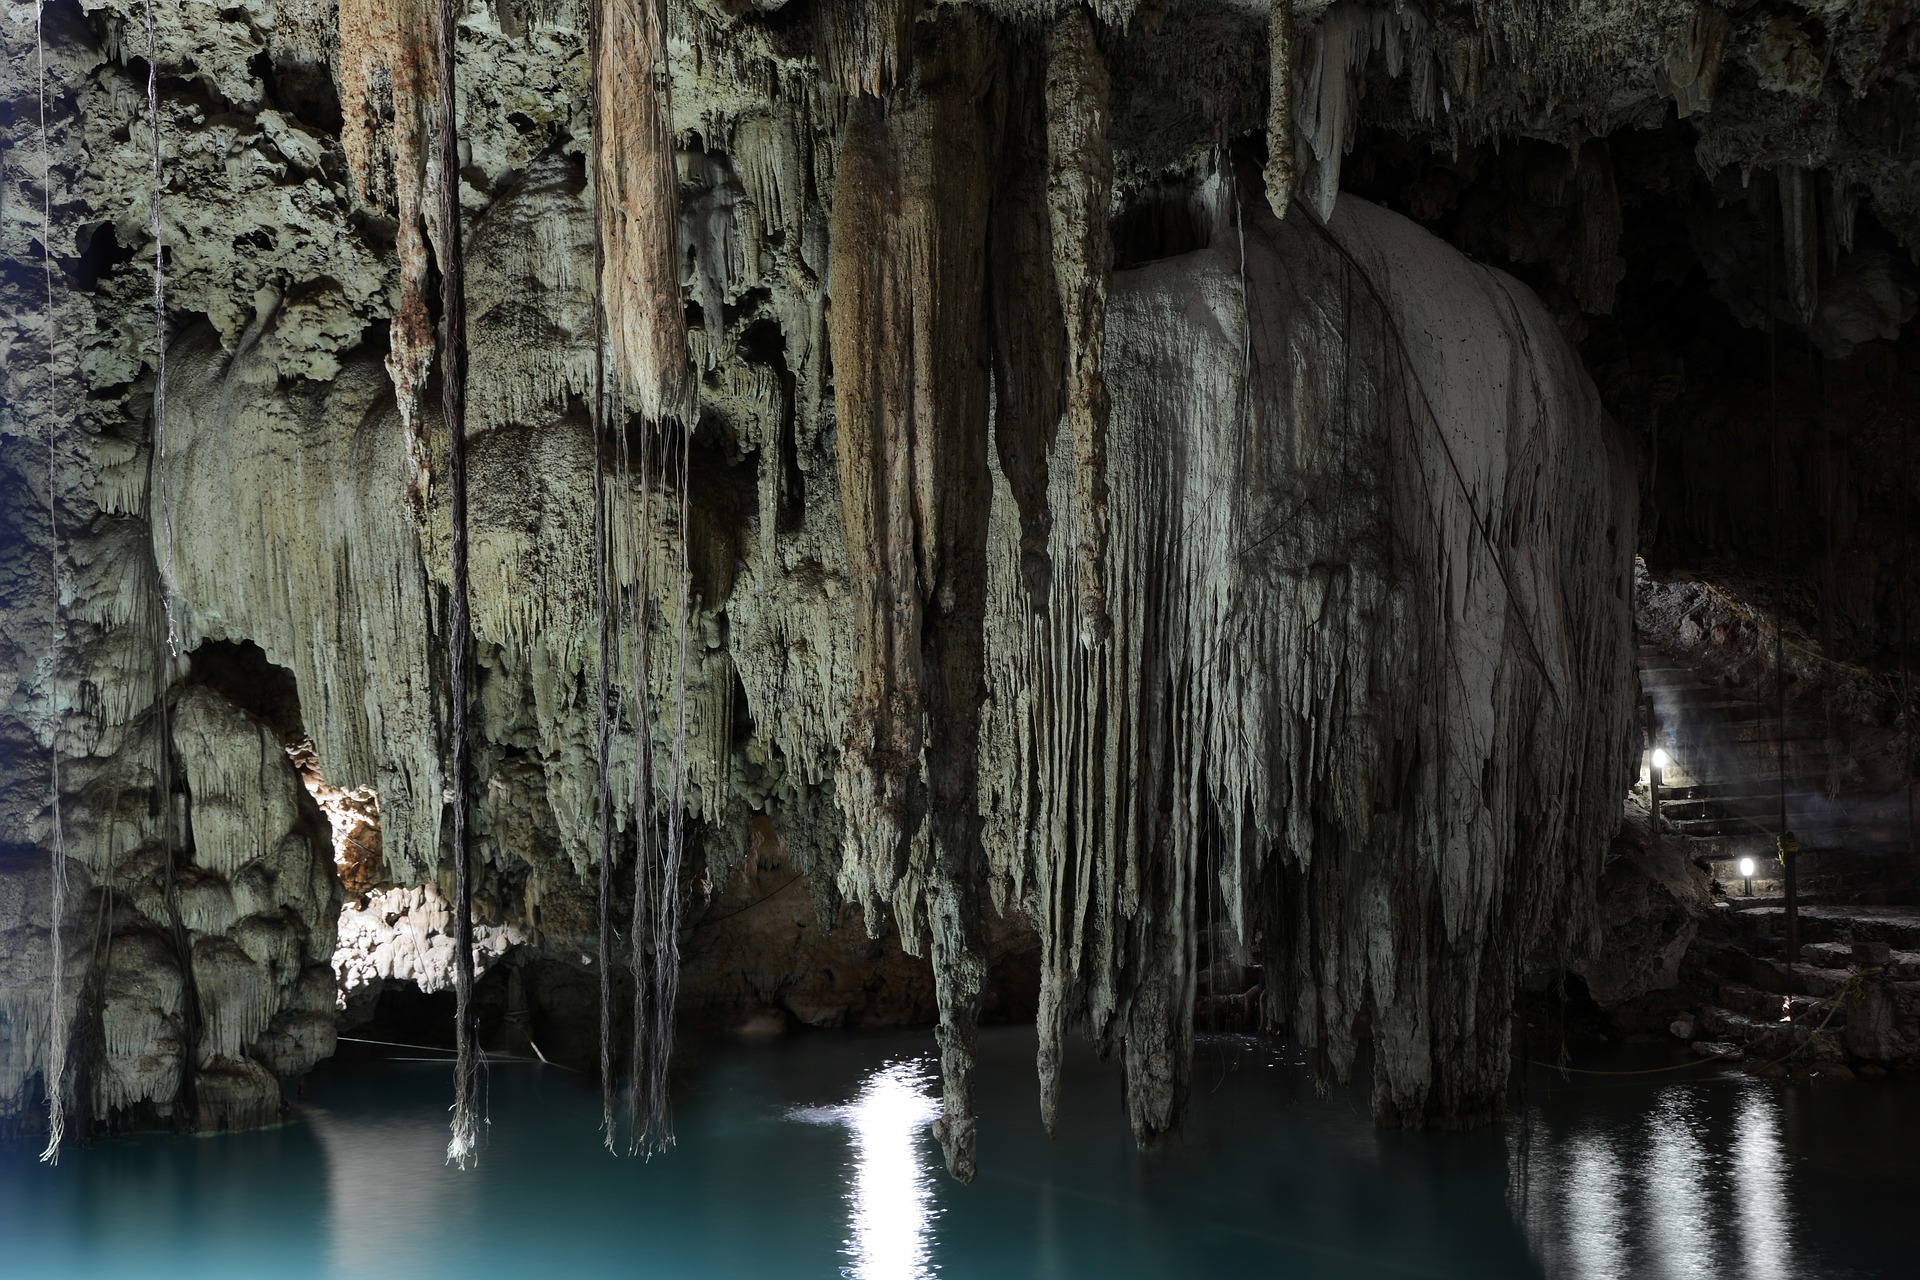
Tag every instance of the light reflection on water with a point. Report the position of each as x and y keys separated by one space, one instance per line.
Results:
x=1691 y=1193
x=1268 y=1178
x=890 y=1198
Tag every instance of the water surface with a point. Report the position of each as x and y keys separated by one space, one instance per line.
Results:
x=811 y=1157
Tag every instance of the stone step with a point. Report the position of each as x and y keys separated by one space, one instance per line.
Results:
x=1817 y=1011
x=1771 y=1006
x=1751 y=1002
x=1902 y=966
x=1774 y=978
x=1807 y=1041
x=1898 y=927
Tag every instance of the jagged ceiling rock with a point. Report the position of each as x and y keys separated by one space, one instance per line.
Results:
x=1346 y=721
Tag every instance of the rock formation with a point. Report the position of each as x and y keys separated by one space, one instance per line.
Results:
x=1091 y=492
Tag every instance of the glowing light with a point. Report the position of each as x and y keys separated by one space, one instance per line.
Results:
x=1661 y=759
x=890 y=1202
x=1746 y=867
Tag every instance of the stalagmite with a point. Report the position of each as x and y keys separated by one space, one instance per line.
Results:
x=463 y=1147
x=387 y=52
x=1079 y=191
x=639 y=202
x=910 y=391
x=57 y=1029
x=1279 y=172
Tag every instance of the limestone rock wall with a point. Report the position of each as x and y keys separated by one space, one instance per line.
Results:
x=1351 y=513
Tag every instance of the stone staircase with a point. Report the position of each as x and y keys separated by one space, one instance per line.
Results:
x=1851 y=999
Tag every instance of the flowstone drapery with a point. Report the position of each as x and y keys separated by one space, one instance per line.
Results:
x=1365 y=698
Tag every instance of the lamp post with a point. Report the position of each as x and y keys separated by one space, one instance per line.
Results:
x=1746 y=873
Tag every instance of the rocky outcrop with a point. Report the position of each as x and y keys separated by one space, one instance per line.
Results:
x=1652 y=900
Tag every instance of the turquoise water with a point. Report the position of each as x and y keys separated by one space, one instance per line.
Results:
x=810 y=1158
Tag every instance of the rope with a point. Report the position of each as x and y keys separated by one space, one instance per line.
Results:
x=165 y=512
x=1788 y=869
x=756 y=902
x=57 y=885
x=462 y=1148
x=1432 y=419
x=603 y=690
x=1906 y=670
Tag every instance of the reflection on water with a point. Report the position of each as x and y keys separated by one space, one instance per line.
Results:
x=1760 y=1198
x=1597 y=1229
x=384 y=1178
x=1722 y=1176
x=890 y=1200
x=1695 y=1188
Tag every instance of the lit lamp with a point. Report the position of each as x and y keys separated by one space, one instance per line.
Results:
x=1746 y=873
x=1660 y=761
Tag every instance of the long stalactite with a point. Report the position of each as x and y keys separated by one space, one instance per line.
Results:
x=388 y=55
x=639 y=212
x=1079 y=196
x=911 y=397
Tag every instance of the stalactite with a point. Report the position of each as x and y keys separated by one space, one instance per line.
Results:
x=1279 y=173
x=1328 y=98
x=1799 y=236
x=1029 y=360
x=637 y=199
x=387 y=51
x=463 y=1147
x=639 y=203
x=57 y=1029
x=1079 y=191
x=910 y=391
x=1691 y=71
x=1598 y=267
x=865 y=46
